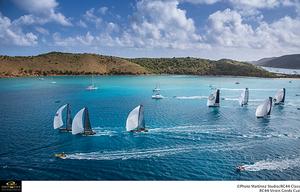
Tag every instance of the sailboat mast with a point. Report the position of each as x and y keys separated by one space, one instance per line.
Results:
x=141 y=121
x=68 y=119
x=86 y=122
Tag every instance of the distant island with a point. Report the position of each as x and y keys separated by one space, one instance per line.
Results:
x=285 y=61
x=58 y=63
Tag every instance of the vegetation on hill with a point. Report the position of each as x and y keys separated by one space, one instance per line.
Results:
x=196 y=66
x=56 y=63
x=285 y=61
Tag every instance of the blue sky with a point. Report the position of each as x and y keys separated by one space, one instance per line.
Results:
x=214 y=29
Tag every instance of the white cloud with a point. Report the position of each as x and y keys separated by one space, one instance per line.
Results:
x=13 y=35
x=227 y=29
x=103 y=10
x=256 y=3
x=41 y=12
x=42 y=30
x=161 y=24
x=251 y=7
x=82 y=24
x=201 y=1
x=91 y=17
x=112 y=27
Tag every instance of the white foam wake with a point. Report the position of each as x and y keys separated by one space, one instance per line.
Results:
x=131 y=154
x=100 y=131
x=236 y=89
x=192 y=97
x=190 y=128
x=231 y=99
x=155 y=152
x=273 y=165
x=231 y=89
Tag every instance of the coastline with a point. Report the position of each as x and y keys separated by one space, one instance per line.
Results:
x=276 y=76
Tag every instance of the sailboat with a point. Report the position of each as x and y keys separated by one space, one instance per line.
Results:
x=264 y=109
x=81 y=123
x=214 y=99
x=279 y=97
x=135 y=121
x=156 y=93
x=58 y=119
x=92 y=85
x=243 y=99
x=52 y=80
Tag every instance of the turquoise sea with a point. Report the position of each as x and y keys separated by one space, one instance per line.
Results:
x=186 y=139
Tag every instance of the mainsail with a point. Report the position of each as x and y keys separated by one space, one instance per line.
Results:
x=264 y=108
x=279 y=97
x=81 y=123
x=77 y=125
x=135 y=119
x=58 y=121
x=214 y=99
x=243 y=99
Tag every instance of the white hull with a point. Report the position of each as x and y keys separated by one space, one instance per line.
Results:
x=157 y=97
x=90 y=88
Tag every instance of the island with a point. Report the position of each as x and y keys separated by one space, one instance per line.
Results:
x=58 y=63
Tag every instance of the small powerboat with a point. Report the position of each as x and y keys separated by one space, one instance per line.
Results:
x=156 y=93
x=240 y=168
x=157 y=96
x=61 y=155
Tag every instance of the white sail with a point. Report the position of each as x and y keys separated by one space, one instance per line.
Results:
x=133 y=119
x=214 y=99
x=77 y=124
x=264 y=108
x=58 y=121
x=280 y=96
x=243 y=99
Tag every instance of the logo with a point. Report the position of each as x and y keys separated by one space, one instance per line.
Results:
x=10 y=186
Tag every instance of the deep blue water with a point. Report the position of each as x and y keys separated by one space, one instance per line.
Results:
x=187 y=140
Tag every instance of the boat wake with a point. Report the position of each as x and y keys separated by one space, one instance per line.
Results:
x=230 y=89
x=192 y=97
x=273 y=165
x=233 y=89
x=189 y=128
x=131 y=154
x=103 y=132
x=231 y=99
x=155 y=152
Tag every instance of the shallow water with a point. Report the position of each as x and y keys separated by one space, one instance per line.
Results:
x=186 y=139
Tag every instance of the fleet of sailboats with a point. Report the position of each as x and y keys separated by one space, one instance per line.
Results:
x=135 y=121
